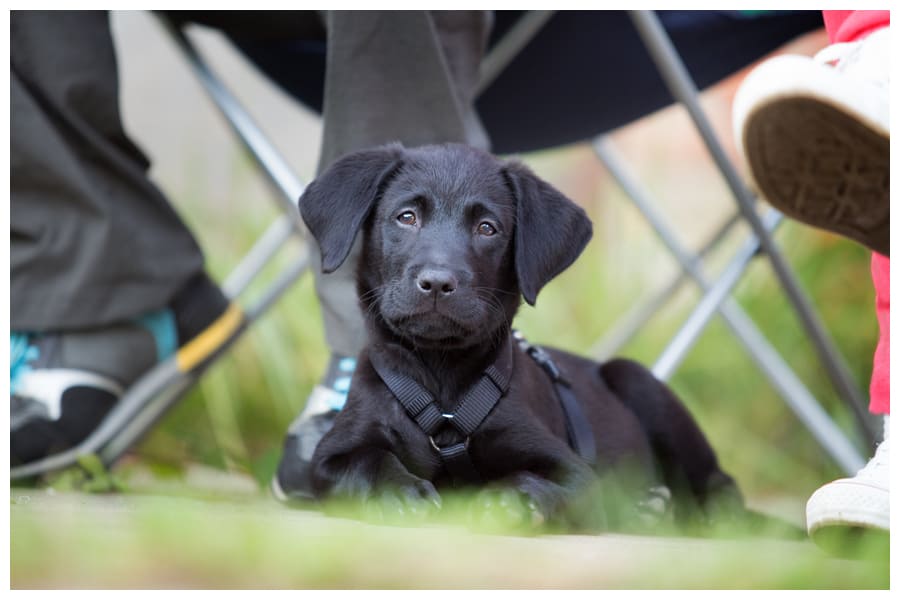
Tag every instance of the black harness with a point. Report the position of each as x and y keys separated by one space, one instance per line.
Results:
x=478 y=402
x=578 y=430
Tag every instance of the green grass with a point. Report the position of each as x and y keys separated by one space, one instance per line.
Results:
x=147 y=540
x=235 y=420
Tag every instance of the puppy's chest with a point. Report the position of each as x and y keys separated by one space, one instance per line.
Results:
x=530 y=400
x=525 y=416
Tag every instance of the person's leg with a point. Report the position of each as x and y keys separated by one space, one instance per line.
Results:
x=862 y=501
x=105 y=279
x=880 y=387
x=83 y=214
x=816 y=137
x=406 y=76
x=845 y=26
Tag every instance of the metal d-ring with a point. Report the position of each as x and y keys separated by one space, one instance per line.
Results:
x=438 y=448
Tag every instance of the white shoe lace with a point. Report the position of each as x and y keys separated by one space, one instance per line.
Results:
x=868 y=58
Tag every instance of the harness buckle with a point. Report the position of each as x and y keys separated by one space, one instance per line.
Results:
x=538 y=355
x=438 y=448
x=546 y=363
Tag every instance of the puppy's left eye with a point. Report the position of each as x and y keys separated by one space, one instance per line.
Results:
x=485 y=228
x=407 y=217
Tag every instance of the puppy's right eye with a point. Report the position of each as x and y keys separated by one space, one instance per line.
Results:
x=407 y=217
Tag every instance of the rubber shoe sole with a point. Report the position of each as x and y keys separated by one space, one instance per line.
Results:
x=292 y=481
x=821 y=166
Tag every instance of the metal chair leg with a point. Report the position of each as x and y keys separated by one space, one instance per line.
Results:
x=681 y=86
x=630 y=324
x=791 y=389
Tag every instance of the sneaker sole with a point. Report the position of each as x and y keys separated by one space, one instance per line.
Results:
x=849 y=519
x=297 y=498
x=277 y=492
x=820 y=165
x=847 y=541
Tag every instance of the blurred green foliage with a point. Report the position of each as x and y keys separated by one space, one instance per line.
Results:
x=147 y=541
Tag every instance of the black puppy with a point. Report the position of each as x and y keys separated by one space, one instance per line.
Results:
x=453 y=238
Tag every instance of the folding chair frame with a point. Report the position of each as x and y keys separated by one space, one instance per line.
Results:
x=148 y=399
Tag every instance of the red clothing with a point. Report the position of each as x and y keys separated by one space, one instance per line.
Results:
x=880 y=387
x=846 y=26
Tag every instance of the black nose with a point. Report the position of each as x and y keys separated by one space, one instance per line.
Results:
x=440 y=282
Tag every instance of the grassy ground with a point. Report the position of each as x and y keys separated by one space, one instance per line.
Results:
x=237 y=541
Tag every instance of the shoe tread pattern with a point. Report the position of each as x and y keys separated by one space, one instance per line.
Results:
x=819 y=165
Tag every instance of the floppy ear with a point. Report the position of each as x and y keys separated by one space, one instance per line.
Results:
x=336 y=204
x=551 y=230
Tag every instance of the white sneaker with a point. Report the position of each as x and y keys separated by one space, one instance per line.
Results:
x=861 y=501
x=815 y=133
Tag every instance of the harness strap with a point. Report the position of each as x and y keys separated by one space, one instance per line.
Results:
x=415 y=399
x=479 y=401
x=578 y=430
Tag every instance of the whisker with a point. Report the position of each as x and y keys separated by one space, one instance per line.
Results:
x=495 y=309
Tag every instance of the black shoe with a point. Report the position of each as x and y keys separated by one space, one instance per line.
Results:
x=292 y=480
x=63 y=384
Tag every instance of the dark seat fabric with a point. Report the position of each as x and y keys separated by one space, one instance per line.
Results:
x=584 y=73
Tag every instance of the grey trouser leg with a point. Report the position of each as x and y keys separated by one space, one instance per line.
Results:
x=92 y=241
x=406 y=76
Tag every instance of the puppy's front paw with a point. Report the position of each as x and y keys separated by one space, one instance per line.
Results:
x=408 y=503
x=655 y=508
x=505 y=509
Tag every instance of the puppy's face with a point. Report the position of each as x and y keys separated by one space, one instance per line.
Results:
x=438 y=262
x=452 y=238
